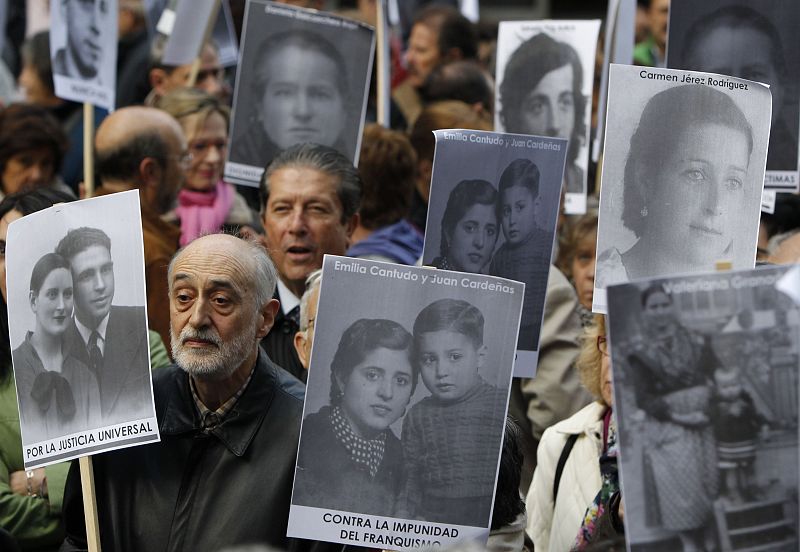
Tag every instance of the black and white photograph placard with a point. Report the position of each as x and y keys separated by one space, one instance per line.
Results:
x=78 y=329
x=705 y=376
x=755 y=41
x=493 y=209
x=407 y=396
x=545 y=71
x=682 y=176
x=83 y=50
x=303 y=77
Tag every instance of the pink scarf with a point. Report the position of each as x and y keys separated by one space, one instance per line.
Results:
x=203 y=212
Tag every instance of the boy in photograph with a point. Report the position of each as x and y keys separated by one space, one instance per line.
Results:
x=525 y=255
x=450 y=438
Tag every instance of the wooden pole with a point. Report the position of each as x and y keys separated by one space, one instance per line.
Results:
x=88 y=150
x=383 y=62
x=89 y=504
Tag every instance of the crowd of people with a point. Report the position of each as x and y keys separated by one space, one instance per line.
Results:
x=236 y=311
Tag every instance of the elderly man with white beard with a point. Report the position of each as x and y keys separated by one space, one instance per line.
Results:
x=229 y=420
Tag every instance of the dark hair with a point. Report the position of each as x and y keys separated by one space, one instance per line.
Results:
x=508 y=504
x=652 y=290
x=81 y=239
x=25 y=127
x=465 y=194
x=25 y=203
x=36 y=53
x=454 y=30
x=361 y=337
x=438 y=115
x=660 y=130
x=520 y=172
x=44 y=266
x=786 y=216
x=387 y=166
x=307 y=41
x=122 y=161
x=463 y=80
x=451 y=314
x=735 y=17
x=528 y=65
x=326 y=160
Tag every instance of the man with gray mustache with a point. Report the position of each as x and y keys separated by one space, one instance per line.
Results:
x=229 y=420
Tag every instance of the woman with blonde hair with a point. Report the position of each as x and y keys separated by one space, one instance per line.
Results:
x=206 y=203
x=574 y=501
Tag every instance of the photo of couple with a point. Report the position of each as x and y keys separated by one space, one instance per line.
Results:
x=413 y=419
x=80 y=360
x=504 y=229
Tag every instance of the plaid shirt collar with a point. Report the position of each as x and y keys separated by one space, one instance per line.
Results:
x=210 y=419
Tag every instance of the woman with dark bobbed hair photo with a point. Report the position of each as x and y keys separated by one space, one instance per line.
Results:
x=362 y=468
x=469 y=228
x=687 y=187
x=541 y=94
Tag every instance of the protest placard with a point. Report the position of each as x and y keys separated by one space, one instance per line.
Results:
x=189 y=30
x=617 y=48
x=545 y=72
x=303 y=77
x=493 y=209
x=682 y=175
x=423 y=355
x=224 y=36
x=750 y=40
x=83 y=50
x=78 y=329
x=705 y=376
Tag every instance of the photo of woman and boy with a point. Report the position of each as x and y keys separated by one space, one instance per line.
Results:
x=395 y=447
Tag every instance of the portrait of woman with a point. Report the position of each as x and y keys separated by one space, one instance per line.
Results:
x=301 y=94
x=57 y=394
x=470 y=228
x=686 y=199
x=739 y=41
x=540 y=94
x=671 y=369
x=372 y=380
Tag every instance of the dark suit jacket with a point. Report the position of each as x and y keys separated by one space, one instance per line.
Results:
x=124 y=380
x=279 y=344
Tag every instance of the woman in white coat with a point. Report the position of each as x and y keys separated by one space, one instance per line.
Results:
x=574 y=499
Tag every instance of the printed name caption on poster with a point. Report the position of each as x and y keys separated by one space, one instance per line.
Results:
x=434 y=278
x=364 y=529
x=513 y=142
x=705 y=284
x=84 y=439
x=689 y=78
x=314 y=18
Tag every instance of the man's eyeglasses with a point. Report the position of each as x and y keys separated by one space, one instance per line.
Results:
x=602 y=345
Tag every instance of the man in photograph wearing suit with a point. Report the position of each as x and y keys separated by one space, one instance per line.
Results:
x=110 y=339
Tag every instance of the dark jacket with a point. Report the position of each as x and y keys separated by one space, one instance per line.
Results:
x=124 y=379
x=279 y=344
x=195 y=491
x=335 y=482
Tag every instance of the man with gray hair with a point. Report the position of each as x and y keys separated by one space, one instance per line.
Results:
x=310 y=195
x=308 y=314
x=229 y=420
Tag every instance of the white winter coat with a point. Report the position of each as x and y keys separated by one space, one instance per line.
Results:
x=554 y=528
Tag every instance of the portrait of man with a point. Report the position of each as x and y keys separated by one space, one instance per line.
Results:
x=82 y=55
x=110 y=339
x=305 y=81
x=541 y=92
x=744 y=41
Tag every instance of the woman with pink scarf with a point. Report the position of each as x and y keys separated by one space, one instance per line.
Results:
x=206 y=204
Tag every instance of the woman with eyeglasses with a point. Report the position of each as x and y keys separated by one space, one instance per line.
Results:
x=206 y=204
x=578 y=505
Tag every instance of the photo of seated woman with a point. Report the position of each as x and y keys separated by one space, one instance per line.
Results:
x=57 y=393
